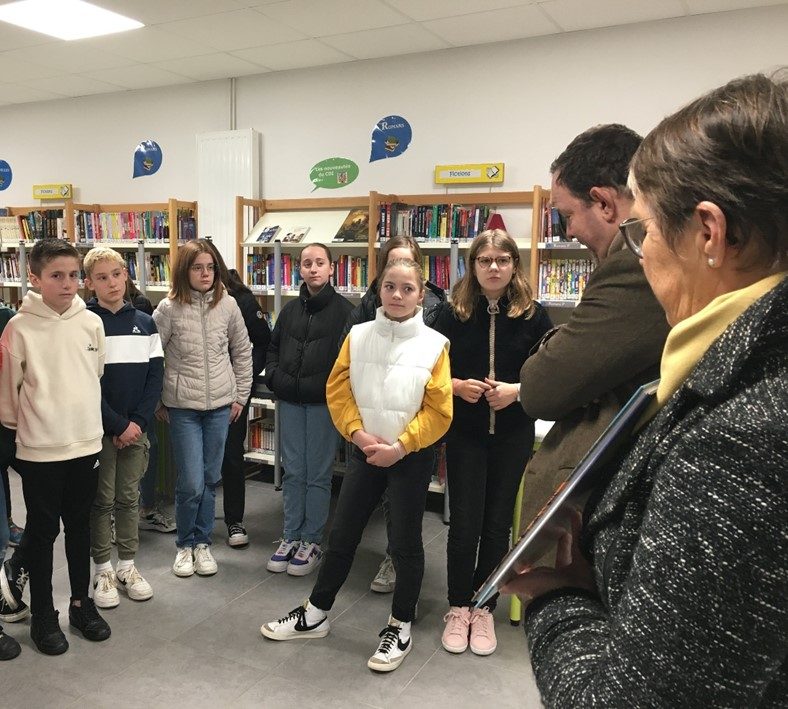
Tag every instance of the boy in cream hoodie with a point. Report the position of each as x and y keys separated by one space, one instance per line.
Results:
x=51 y=361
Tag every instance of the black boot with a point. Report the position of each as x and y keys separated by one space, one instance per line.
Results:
x=9 y=648
x=46 y=633
x=87 y=620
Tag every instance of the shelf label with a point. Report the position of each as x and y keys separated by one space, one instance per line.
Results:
x=57 y=191
x=479 y=173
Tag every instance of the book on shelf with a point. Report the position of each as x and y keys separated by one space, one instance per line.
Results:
x=122 y=227
x=9 y=267
x=440 y=222
x=563 y=279
x=10 y=232
x=266 y=235
x=355 y=228
x=350 y=272
x=295 y=234
x=256 y=231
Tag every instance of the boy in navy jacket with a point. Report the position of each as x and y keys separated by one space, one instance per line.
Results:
x=130 y=390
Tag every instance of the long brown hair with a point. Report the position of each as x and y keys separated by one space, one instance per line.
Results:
x=467 y=291
x=181 y=290
x=398 y=242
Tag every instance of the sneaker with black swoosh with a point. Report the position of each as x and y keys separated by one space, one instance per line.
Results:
x=294 y=625
x=395 y=644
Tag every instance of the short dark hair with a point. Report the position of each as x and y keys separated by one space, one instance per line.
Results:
x=729 y=147
x=320 y=246
x=598 y=157
x=46 y=250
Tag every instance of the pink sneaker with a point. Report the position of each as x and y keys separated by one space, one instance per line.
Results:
x=483 y=641
x=455 y=635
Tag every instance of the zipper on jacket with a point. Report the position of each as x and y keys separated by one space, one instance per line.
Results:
x=493 y=310
x=205 y=355
x=301 y=360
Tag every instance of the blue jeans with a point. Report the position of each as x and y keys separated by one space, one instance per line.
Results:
x=148 y=482
x=309 y=444
x=3 y=525
x=198 y=446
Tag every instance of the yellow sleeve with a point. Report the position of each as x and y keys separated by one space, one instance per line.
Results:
x=339 y=395
x=434 y=416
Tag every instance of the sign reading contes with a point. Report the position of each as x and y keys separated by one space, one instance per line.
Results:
x=479 y=173
x=54 y=191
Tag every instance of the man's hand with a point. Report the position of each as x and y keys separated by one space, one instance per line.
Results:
x=162 y=414
x=235 y=411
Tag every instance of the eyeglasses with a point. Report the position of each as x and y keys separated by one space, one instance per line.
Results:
x=634 y=232
x=500 y=261
x=199 y=267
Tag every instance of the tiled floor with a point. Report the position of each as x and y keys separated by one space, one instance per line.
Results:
x=197 y=641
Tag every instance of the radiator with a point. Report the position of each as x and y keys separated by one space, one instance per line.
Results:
x=228 y=165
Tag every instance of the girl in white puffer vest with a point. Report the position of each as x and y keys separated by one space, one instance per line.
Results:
x=390 y=394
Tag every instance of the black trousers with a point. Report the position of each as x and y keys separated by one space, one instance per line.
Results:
x=7 y=488
x=63 y=489
x=483 y=473
x=406 y=484
x=233 y=477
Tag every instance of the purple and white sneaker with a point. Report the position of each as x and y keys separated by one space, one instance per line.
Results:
x=282 y=556
x=305 y=560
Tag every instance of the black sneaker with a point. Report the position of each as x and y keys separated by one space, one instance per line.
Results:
x=46 y=633
x=87 y=620
x=12 y=583
x=236 y=535
x=9 y=648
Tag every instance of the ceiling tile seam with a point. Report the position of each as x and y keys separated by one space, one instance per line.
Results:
x=546 y=13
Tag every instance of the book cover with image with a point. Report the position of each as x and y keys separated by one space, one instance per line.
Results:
x=295 y=234
x=355 y=228
x=267 y=234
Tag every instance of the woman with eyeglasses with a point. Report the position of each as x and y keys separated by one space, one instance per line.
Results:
x=673 y=591
x=207 y=380
x=492 y=324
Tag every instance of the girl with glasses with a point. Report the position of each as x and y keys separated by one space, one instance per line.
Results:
x=492 y=323
x=207 y=380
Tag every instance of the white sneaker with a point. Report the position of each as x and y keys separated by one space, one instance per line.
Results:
x=282 y=556
x=305 y=560
x=105 y=594
x=294 y=625
x=386 y=579
x=392 y=649
x=204 y=563
x=184 y=563
x=136 y=587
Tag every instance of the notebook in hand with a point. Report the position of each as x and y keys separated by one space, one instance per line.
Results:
x=555 y=517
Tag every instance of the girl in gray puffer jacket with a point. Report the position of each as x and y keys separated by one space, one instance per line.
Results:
x=207 y=380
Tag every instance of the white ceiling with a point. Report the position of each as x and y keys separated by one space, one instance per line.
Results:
x=197 y=40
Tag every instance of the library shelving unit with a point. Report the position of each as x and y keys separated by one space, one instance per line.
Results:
x=270 y=268
x=559 y=267
x=148 y=235
x=19 y=229
x=444 y=224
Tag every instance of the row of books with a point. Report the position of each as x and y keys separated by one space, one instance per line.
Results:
x=9 y=267
x=553 y=225
x=350 y=272
x=38 y=224
x=435 y=221
x=157 y=268
x=122 y=226
x=563 y=279
x=354 y=229
x=438 y=270
x=261 y=436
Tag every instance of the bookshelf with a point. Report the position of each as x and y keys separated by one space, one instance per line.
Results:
x=444 y=225
x=559 y=267
x=147 y=235
x=270 y=268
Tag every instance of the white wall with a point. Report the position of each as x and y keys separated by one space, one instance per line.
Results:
x=519 y=102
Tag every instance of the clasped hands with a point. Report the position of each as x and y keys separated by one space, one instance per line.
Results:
x=499 y=395
x=378 y=452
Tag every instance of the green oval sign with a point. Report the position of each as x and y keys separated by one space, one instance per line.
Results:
x=333 y=173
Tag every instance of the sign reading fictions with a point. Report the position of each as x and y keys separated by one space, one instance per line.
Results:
x=479 y=173
x=58 y=191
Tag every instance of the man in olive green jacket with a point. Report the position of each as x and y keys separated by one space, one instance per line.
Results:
x=585 y=370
